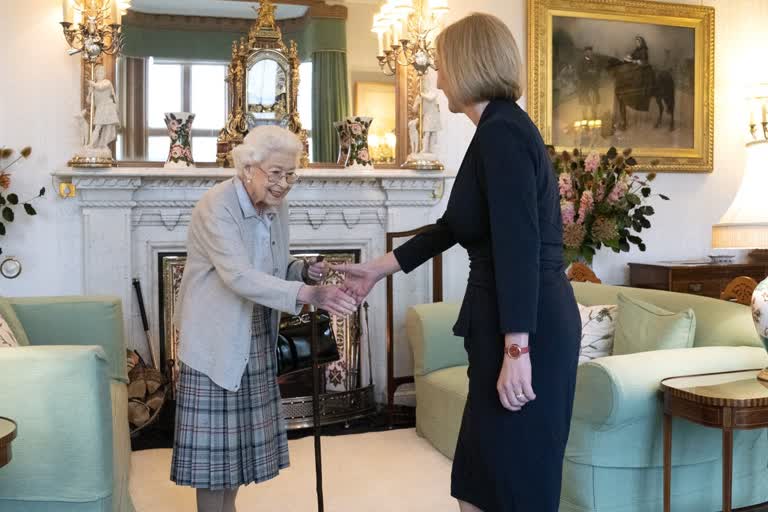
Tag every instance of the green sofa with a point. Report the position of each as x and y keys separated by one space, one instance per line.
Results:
x=614 y=457
x=67 y=393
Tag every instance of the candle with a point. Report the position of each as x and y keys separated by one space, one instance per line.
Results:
x=380 y=37
x=765 y=112
x=67 y=8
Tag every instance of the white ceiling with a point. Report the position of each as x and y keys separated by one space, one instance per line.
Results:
x=218 y=8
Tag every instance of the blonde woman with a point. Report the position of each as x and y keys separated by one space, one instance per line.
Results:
x=519 y=318
x=239 y=275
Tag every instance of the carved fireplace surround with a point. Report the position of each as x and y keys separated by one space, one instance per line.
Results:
x=132 y=215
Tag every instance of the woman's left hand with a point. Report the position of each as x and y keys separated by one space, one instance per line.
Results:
x=318 y=271
x=514 y=384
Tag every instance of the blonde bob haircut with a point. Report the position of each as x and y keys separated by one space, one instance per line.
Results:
x=478 y=60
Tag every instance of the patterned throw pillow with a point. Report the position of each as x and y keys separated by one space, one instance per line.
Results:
x=7 y=338
x=598 y=325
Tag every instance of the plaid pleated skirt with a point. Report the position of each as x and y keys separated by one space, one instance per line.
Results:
x=223 y=438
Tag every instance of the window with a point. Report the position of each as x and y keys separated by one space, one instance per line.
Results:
x=186 y=87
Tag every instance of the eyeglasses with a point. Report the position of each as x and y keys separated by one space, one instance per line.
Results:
x=276 y=176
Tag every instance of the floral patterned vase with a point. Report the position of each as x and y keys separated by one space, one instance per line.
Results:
x=359 y=155
x=760 y=317
x=180 y=131
x=343 y=133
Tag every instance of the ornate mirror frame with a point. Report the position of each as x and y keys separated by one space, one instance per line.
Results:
x=264 y=40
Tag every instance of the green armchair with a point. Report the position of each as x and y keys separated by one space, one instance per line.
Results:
x=67 y=393
x=613 y=460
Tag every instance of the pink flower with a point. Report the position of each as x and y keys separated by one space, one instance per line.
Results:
x=600 y=193
x=176 y=151
x=356 y=128
x=592 y=162
x=586 y=205
x=619 y=190
x=567 y=212
x=565 y=184
x=173 y=125
x=363 y=155
x=188 y=153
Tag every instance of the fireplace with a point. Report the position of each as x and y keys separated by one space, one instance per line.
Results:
x=123 y=218
x=343 y=394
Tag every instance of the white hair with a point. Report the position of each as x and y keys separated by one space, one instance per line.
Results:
x=263 y=141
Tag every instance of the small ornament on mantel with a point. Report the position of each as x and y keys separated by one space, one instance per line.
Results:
x=359 y=154
x=424 y=127
x=98 y=123
x=180 y=131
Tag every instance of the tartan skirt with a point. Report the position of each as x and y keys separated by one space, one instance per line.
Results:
x=225 y=439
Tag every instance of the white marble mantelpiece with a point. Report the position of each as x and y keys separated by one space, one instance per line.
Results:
x=131 y=215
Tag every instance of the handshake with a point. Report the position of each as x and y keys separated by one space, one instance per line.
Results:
x=341 y=299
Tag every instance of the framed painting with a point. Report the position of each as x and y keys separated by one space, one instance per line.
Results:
x=624 y=73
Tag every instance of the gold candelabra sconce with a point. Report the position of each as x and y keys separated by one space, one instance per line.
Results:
x=758 y=109
x=406 y=30
x=92 y=29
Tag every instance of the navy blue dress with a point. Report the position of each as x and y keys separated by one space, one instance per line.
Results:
x=504 y=209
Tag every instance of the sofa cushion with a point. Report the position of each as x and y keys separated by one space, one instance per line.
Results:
x=11 y=320
x=642 y=327
x=598 y=326
x=718 y=322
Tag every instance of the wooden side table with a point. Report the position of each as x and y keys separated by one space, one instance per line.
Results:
x=728 y=401
x=7 y=434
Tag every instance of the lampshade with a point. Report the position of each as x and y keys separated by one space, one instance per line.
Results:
x=745 y=224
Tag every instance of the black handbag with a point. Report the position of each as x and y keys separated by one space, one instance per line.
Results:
x=294 y=348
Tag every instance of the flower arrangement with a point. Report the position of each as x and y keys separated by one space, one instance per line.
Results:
x=9 y=200
x=601 y=200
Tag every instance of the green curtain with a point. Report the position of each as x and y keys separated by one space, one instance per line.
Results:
x=178 y=44
x=330 y=102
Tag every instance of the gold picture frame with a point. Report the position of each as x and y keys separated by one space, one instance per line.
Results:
x=574 y=108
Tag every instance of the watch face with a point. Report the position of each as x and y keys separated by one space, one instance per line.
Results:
x=514 y=351
x=10 y=268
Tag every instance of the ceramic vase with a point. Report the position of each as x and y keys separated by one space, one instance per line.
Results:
x=180 y=131
x=343 y=134
x=359 y=155
x=760 y=317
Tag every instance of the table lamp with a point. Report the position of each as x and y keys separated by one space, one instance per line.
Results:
x=745 y=224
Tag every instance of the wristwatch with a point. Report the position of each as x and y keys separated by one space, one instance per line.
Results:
x=515 y=351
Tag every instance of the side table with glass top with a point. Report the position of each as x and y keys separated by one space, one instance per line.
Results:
x=728 y=401
x=7 y=434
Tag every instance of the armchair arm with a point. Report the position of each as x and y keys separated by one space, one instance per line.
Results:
x=429 y=330
x=615 y=390
x=60 y=400
x=89 y=320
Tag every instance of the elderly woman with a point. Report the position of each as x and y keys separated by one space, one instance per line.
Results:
x=519 y=319
x=238 y=277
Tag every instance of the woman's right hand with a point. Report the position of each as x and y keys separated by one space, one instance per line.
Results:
x=330 y=298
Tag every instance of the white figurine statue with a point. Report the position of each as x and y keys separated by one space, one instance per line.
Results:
x=430 y=113
x=426 y=100
x=105 y=120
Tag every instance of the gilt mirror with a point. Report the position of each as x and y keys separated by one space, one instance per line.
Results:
x=176 y=59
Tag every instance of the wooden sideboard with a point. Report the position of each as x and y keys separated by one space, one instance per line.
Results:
x=698 y=278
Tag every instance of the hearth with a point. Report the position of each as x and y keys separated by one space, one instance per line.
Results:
x=343 y=395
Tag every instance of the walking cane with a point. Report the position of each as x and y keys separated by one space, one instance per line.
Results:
x=316 y=411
